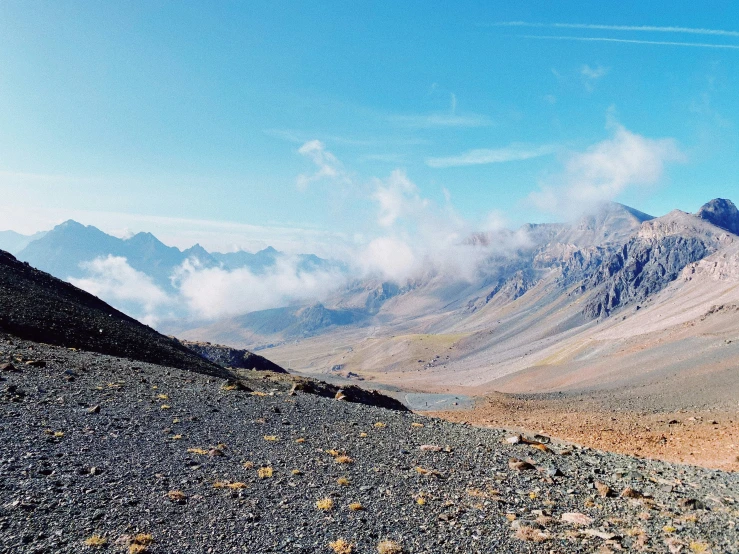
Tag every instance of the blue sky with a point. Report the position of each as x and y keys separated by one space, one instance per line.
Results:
x=242 y=124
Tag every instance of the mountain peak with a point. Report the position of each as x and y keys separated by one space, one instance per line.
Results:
x=722 y=213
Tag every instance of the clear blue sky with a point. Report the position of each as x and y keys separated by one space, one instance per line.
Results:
x=151 y=115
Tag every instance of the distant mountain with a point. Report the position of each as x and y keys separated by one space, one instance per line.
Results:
x=722 y=213
x=606 y=262
x=13 y=242
x=65 y=249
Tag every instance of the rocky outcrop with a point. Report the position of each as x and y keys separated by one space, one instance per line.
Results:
x=722 y=213
x=226 y=356
x=650 y=261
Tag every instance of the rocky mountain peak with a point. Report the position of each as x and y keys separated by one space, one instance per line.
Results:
x=722 y=213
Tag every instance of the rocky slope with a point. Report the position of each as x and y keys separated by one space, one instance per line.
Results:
x=149 y=459
x=228 y=357
x=36 y=306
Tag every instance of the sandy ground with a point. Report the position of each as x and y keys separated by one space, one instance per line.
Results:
x=704 y=438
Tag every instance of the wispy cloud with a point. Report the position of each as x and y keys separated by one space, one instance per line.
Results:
x=635 y=28
x=605 y=170
x=591 y=75
x=635 y=41
x=427 y=121
x=327 y=165
x=480 y=156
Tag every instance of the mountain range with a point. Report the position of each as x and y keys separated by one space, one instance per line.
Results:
x=559 y=299
x=620 y=300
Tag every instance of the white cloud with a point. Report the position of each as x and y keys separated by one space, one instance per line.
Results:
x=397 y=197
x=217 y=292
x=514 y=152
x=635 y=28
x=117 y=282
x=635 y=41
x=605 y=170
x=328 y=166
x=591 y=75
x=426 y=121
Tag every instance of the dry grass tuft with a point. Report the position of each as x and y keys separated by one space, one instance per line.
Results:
x=699 y=547
x=389 y=547
x=343 y=481
x=343 y=459
x=271 y=438
x=177 y=496
x=325 y=504
x=140 y=543
x=530 y=534
x=296 y=472
x=258 y=393
x=428 y=472
x=199 y=451
x=176 y=437
x=416 y=424
x=166 y=407
x=380 y=424
x=229 y=485
x=363 y=435
x=300 y=440
x=265 y=472
x=356 y=507
x=340 y=546
x=248 y=465
x=96 y=541
x=162 y=397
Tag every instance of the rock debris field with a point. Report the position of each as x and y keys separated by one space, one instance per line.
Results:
x=102 y=454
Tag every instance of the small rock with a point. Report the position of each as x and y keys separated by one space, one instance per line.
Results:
x=628 y=492
x=514 y=439
x=520 y=465
x=430 y=448
x=577 y=518
x=94 y=410
x=36 y=363
x=603 y=489
x=691 y=504
x=215 y=452
x=8 y=368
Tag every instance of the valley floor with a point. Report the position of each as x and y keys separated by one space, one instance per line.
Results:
x=708 y=438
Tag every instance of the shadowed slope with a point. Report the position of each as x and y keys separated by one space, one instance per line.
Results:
x=36 y=306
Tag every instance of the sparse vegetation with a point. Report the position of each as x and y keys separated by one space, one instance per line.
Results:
x=96 y=541
x=416 y=424
x=229 y=485
x=530 y=534
x=300 y=440
x=380 y=424
x=140 y=543
x=166 y=407
x=340 y=546
x=265 y=472
x=389 y=547
x=356 y=507
x=343 y=481
x=177 y=496
x=343 y=459
x=325 y=504
x=271 y=438
x=198 y=451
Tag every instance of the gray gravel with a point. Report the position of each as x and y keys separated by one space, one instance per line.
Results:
x=86 y=448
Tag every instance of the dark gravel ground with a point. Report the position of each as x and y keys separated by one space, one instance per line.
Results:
x=92 y=445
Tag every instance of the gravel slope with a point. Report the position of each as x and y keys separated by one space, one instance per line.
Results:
x=36 y=306
x=89 y=447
